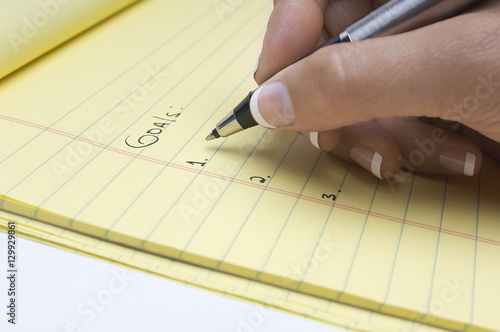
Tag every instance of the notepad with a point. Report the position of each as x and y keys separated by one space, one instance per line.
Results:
x=270 y=297
x=105 y=136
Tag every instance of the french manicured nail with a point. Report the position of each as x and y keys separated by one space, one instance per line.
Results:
x=256 y=66
x=458 y=160
x=368 y=159
x=271 y=106
x=314 y=138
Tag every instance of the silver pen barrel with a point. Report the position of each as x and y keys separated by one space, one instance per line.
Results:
x=397 y=16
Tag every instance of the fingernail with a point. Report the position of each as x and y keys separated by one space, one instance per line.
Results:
x=458 y=161
x=256 y=66
x=368 y=159
x=271 y=106
x=314 y=138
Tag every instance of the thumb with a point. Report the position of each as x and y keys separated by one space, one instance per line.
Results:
x=420 y=73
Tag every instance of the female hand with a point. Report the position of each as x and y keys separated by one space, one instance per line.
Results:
x=365 y=98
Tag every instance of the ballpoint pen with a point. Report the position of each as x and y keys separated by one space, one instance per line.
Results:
x=393 y=17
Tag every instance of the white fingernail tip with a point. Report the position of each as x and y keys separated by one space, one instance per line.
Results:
x=256 y=66
x=377 y=165
x=254 y=109
x=470 y=164
x=314 y=138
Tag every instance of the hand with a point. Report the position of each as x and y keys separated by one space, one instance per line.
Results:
x=365 y=98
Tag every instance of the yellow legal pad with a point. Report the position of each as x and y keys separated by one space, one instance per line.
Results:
x=105 y=136
x=271 y=297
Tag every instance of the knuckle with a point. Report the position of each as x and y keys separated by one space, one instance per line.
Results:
x=333 y=74
x=341 y=83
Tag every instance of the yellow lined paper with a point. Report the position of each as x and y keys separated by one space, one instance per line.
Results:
x=32 y=27
x=108 y=140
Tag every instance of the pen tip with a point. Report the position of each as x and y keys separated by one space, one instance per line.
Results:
x=210 y=137
x=213 y=135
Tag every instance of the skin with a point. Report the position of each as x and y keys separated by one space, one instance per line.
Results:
x=388 y=93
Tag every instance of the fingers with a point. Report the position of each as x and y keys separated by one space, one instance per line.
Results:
x=293 y=30
x=385 y=146
x=429 y=149
x=365 y=144
x=296 y=28
x=340 y=14
x=421 y=73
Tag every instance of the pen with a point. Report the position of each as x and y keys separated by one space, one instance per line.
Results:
x=393 y=17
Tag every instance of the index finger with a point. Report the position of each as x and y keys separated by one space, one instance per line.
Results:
x=295 y=29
